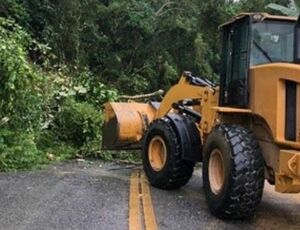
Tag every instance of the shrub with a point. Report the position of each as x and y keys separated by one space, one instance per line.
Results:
x=53 y=148
x=21 y=100
x=21 y=90
x=77 y=123
x=18 y=150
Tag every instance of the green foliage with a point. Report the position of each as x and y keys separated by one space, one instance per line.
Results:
x=40 y=116
x=74 y=131
x=18 y=150
x=20 y=84
x=21 y=99
x=14 y=9
x=77 y=123
x=82 y=84
x=136 y=45
x=260 y=5
x=49 y=144
x=202 y=52
x=89 y=88
x=292 y=9
x=73 y=117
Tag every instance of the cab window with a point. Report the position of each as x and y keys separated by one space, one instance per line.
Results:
x=272 y=41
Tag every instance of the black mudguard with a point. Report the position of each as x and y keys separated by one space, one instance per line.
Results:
x=189 y=136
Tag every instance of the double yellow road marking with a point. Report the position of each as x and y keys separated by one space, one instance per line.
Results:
x=141 y=212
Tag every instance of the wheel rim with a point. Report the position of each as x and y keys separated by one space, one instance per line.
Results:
x=216 y=171
x=157 y=153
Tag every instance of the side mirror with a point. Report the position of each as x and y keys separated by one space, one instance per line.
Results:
x=297 y=42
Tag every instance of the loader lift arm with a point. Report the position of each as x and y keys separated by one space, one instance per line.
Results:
x=188 y=87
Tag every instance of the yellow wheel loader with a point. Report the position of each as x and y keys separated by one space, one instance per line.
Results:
x=244 y=131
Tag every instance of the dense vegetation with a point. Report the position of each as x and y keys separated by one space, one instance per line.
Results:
x=60 y=60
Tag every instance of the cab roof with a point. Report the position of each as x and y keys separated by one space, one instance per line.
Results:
x=259 y=16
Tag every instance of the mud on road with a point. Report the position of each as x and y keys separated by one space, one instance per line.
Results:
x=95 y=195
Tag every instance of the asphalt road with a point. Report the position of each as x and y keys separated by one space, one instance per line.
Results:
x=95 y=195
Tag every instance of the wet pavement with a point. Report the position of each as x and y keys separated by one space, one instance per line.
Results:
x=95 y=195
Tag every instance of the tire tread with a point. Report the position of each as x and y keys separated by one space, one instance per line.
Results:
x=247 y=173
x=178 y=171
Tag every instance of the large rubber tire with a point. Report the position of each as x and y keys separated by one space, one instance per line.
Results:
x=243 y=168
x=174 y=172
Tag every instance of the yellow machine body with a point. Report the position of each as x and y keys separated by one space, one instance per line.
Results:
x=268 y=103
x=126 y=123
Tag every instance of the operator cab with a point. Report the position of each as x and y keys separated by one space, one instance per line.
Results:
x=249 y=40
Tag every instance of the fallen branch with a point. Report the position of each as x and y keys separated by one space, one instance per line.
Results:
x=128 y=162
x=160 y=10
x=142 y=96
x=4 y=120
x=168 y=10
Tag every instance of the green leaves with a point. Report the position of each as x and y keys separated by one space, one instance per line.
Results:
x=18 y=150
x=19 y=98
x=141 y=16
x=292 y=10
x=78 y=124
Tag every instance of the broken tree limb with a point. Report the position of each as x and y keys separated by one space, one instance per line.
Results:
x=4 y=120
x=142 y=96
x=160 y=10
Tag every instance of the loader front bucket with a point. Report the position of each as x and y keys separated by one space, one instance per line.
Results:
x=125 y=124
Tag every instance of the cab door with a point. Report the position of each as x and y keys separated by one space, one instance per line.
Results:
x=235 y=64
